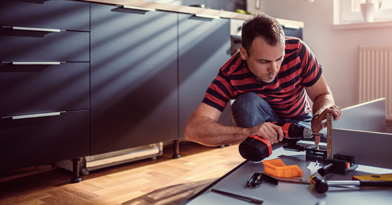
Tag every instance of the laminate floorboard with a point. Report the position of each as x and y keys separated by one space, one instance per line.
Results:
x=152 y=181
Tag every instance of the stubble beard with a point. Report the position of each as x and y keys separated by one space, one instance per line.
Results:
x=267 y=78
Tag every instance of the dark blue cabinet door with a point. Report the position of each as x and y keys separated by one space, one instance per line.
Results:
x=22 y=46
x=31 y=89
x=204 y=46
x=49 y=14
x=134 y=98
x=43 y=140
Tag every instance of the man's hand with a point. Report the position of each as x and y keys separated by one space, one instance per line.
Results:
x=269 y=131
x=319 y=121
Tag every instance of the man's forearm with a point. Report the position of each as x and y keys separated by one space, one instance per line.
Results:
x=210 y=133
x=322 y=102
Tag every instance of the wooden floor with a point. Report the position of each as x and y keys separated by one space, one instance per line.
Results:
x=161 y=181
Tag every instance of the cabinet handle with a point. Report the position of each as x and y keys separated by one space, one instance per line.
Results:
x=36 y=63
x=207 y=16
x=48 y=114
x=35 y=29
x=138 y=8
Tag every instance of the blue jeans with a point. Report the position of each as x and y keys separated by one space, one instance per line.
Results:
x=249 y=110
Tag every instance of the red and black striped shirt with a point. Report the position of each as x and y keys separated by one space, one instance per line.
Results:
x=285 y=94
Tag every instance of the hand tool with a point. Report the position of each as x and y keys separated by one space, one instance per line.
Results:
x=258 y=178
x=292 y=131
x=245 y=198
x=295 y=180
x=314 y=153
x=321 y=185
x=340 y=164
x=373 y=177
x=255 y=148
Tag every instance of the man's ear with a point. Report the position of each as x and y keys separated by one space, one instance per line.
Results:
x=244 y=53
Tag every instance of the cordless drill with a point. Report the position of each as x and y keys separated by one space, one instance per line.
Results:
x=255 y=148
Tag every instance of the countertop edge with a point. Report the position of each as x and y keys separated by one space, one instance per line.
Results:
x=189 y=10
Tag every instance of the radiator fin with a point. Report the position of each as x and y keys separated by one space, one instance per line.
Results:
x=375 y=75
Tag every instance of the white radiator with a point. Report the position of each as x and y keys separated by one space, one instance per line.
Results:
x=90 y=163
x=375 y=75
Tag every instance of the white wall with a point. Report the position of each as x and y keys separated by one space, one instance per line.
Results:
x=336 y=50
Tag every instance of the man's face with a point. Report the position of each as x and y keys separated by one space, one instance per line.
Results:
x=263 y=60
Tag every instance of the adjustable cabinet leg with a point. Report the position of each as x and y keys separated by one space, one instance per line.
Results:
x=176 y=149
x=76 y=177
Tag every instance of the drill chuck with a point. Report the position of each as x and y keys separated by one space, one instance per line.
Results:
x=294 y=131
x=307 y=133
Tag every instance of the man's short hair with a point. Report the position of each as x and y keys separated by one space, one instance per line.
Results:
x=262 y=25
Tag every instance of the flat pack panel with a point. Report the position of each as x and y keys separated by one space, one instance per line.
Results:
x=368 y=148
x=369 y=116
x=360 y=133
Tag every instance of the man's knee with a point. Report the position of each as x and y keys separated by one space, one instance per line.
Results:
x=249 y=110
x=246 y=103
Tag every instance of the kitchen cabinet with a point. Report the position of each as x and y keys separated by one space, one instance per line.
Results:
x=134 y=98
x=292 y=32
x=44 y=82
x=204 y=46
x=79 y=79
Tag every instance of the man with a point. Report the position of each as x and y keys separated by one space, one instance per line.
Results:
x=267 y=78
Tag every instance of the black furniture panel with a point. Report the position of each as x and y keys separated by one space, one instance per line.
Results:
x=43 y=140
x=133 y=77
x=18 y=45
x=29 y=89
x=204 y=46
x=66 y=15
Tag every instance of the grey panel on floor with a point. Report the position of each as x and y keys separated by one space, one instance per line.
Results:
x=369 y=116
x=368 y=148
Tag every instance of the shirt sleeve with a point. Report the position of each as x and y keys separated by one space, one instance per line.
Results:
x=311 y=69
x=220 y=90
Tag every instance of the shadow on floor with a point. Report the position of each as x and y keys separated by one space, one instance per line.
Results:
x=172 y=195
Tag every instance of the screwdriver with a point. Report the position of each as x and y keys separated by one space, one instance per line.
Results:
x=245 y=198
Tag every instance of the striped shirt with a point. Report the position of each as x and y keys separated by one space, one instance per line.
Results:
x=285 y=94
